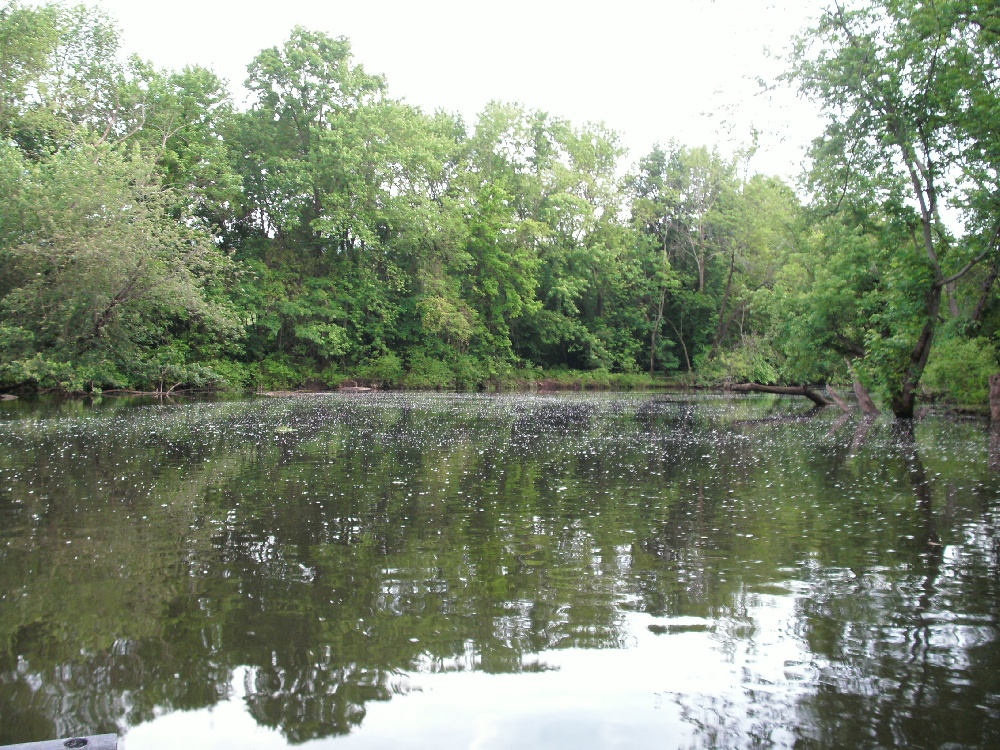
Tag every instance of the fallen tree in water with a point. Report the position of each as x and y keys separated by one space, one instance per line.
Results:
x=784 y=390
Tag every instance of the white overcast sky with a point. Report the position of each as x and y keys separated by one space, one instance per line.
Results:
x=652 y=71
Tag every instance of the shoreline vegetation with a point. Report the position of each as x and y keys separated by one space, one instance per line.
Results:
x=157 y=238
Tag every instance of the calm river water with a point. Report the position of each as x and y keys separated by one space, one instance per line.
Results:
x=433 y=571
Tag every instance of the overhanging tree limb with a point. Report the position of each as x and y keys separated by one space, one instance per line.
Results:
x=783 y=390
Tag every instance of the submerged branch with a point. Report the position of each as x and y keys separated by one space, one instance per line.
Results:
x=864 y=398
x=844 y=406
x=784 y=390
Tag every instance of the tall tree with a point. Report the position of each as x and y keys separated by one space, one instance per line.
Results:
x=681 y=197
x=28 y=38
x=908 y=88
x=102 y=285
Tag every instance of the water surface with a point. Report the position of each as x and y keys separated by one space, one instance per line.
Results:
x=394 y=570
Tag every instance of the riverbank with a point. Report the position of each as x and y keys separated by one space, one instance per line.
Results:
x=500 y=380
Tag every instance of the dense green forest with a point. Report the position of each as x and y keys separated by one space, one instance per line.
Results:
x=155 y=236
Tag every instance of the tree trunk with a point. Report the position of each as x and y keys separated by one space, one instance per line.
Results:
x=680 y=338
x=720 y=330
x=864 y=399
x=784 y=390
x=844 y=407
x=659 y=310
x=952 y=301
x=656 y=330
x=984 y=297
x=995 y=398
x=903 y=403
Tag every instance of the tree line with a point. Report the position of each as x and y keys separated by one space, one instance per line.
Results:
x=153 y=235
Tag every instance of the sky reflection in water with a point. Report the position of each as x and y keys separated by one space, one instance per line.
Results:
x=484 y=571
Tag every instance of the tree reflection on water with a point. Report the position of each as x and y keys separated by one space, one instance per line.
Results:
x=330 y=549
